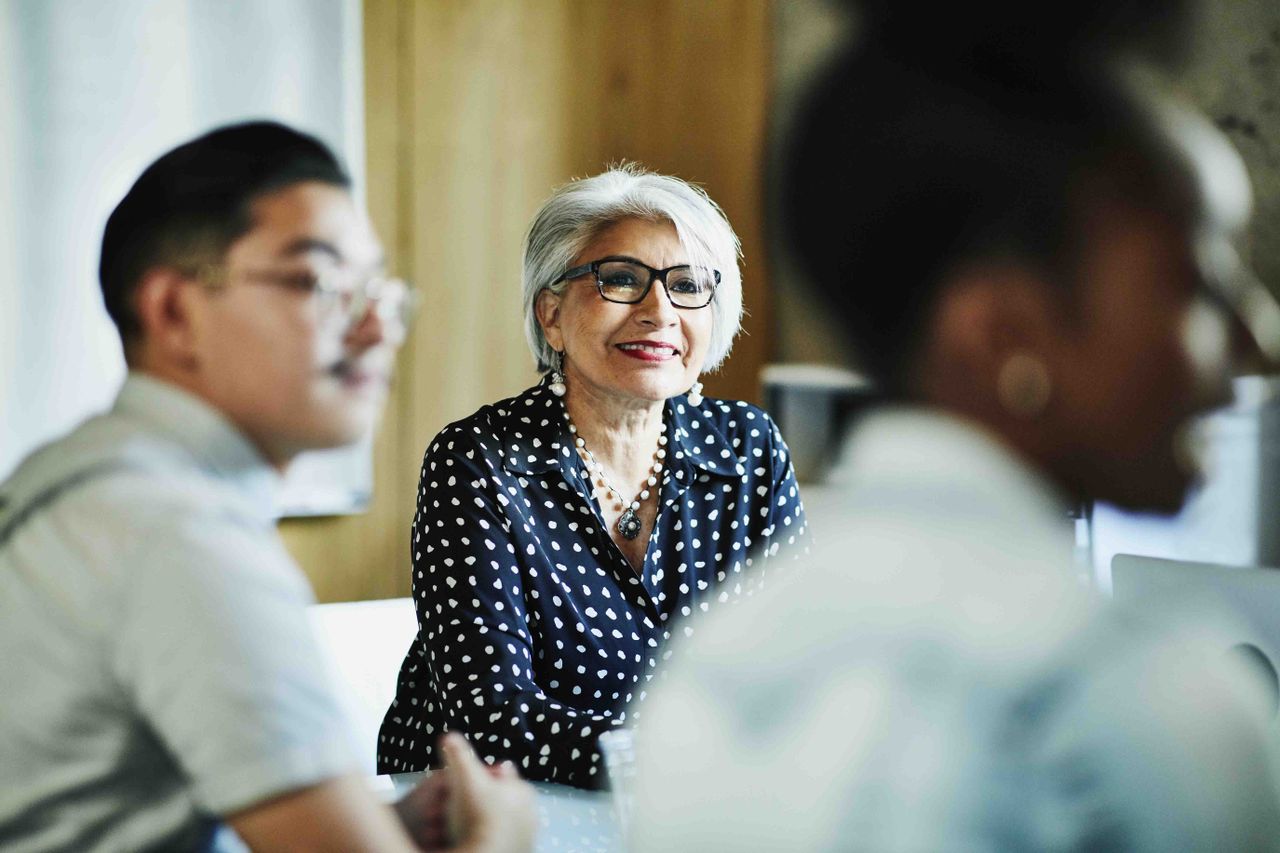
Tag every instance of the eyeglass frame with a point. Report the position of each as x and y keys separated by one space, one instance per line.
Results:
x=654 y=275
x=217 y=277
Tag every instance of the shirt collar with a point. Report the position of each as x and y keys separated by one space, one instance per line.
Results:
x=531 y=428
x=203 y=432
x=699 y=440
x=928 y=452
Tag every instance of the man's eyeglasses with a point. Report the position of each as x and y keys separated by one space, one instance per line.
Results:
x=337 y=296
x=628 y=281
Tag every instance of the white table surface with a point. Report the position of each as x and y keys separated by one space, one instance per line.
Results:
x=364 y=644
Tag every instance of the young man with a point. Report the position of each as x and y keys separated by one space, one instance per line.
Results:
x=161 y=678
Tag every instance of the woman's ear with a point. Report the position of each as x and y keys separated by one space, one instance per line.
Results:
x=988 y=317
x=547 y=309
x=987 y=313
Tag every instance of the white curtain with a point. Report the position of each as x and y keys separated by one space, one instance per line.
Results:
x=91 y=91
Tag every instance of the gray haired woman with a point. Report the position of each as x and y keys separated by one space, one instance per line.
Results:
x=562 y=536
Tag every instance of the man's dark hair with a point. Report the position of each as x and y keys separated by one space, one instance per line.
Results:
x=194 y=202
x=907 y=164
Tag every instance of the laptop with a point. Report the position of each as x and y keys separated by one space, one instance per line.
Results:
x=1249 y=597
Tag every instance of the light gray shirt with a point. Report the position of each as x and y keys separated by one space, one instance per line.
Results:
x=936 y=677
x=156 y=664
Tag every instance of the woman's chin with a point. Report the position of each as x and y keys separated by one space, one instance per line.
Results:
x=652 y=385
x=657 y=389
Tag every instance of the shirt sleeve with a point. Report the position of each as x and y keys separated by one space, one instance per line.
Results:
x=215 y=653
x=785 y=535
x=469 y=568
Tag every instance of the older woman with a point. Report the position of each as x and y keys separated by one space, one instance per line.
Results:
x=562 y=534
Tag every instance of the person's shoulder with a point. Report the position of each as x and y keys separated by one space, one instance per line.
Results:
x=167 y=494
x=722 y=411
x=731 y=418
x=158 y=531
x=157 y=506
x=108 y=476
x=486 y=432
x=99 y=445
x=483 y=422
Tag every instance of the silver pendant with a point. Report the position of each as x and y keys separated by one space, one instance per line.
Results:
x=629 y=524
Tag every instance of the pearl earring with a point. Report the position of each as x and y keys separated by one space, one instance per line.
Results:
x=695 y=394
x=557 y=376
x=1023 y=386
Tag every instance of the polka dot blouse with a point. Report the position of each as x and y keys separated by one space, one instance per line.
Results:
x=535 y=633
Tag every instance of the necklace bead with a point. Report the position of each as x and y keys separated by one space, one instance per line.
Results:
x=629 y=524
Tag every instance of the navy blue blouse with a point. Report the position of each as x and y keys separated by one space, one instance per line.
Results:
x=535 y=633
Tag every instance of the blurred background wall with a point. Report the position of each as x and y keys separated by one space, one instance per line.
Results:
x=90 y=93
x=475 y=110
x=1232 y=73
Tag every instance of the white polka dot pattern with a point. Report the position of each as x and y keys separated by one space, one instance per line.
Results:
x=535 y=634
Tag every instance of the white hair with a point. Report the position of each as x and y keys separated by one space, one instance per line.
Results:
x=578 y=211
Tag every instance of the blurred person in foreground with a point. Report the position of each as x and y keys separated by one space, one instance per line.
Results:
x=1031 y=254
x=564 y=535
x=161 y=677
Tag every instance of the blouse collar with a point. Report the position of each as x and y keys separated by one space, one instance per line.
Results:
x=533 y=436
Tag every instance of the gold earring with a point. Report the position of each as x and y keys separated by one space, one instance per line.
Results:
x=1023 y=386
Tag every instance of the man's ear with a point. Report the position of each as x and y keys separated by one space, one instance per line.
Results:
x=163 y=304
x=547 y=310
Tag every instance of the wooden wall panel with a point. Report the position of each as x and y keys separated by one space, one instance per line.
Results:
x=476 y=110
x=487 y=101
x=683 y=88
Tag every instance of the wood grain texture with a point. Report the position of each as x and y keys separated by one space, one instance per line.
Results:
x=476 y=110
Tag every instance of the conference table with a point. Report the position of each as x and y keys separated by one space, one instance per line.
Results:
x=568 y=818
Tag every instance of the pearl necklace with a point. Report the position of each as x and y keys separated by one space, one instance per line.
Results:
x=629 y=522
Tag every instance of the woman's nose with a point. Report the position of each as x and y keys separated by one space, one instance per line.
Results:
x=656 y=307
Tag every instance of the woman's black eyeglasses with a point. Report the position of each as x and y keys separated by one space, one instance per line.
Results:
x=626 y=280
